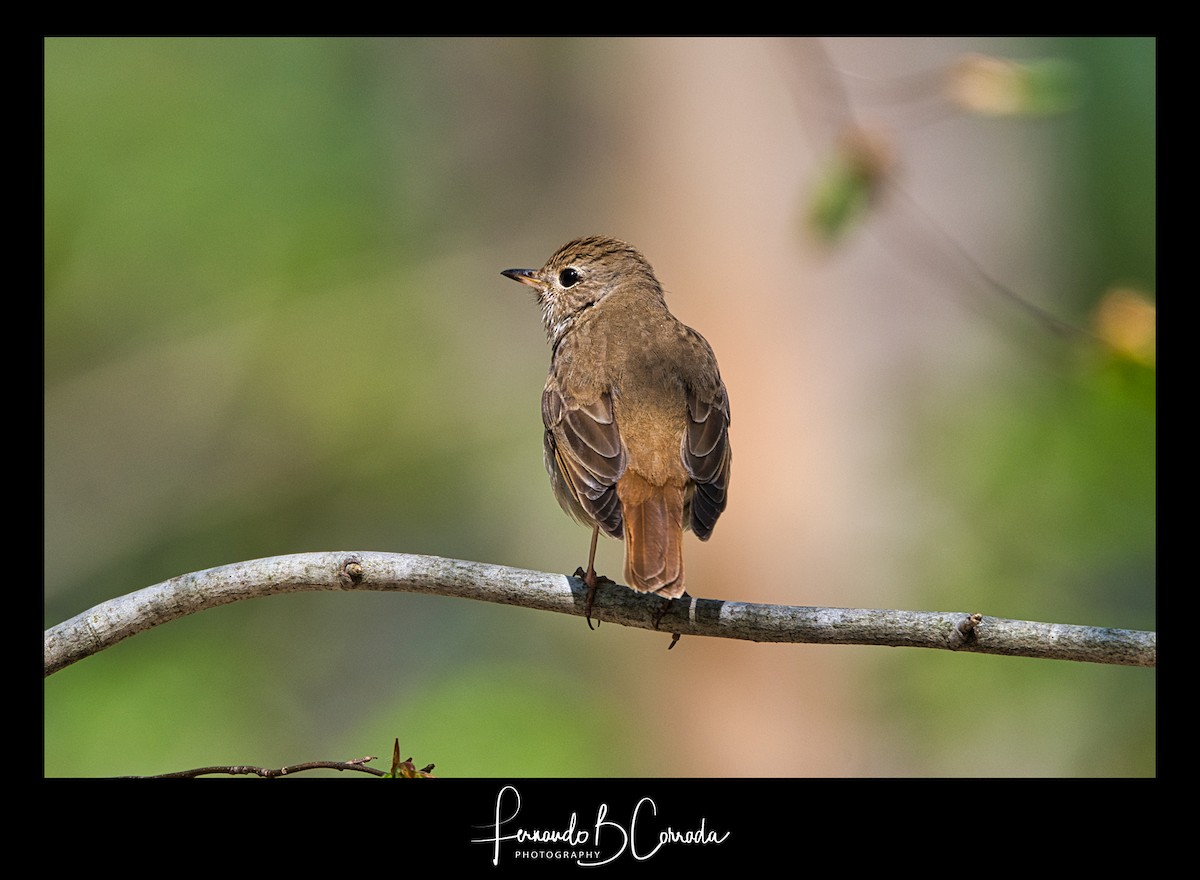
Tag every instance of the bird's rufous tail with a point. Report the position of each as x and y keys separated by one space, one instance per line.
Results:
x=653 y=535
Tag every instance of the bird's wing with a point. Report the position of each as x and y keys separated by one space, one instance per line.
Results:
x=585 y=457
x=706 y=455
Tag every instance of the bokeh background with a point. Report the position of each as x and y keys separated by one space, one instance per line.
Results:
x=275 y=323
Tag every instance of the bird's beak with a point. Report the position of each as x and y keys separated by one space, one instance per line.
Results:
x=525 y=276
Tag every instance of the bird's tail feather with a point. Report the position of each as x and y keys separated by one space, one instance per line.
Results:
x=653 y=536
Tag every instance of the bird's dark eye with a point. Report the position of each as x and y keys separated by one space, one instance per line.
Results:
x=568 y=277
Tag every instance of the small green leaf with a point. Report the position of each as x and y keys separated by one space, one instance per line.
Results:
x=845 y=191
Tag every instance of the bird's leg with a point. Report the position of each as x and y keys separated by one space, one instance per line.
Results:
x=591 y=579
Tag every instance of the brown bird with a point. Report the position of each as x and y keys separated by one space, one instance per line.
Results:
x=636 y=415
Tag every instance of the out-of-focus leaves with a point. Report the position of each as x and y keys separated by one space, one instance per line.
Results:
x=1128 y=321
x=845 y=190
x=993 y=86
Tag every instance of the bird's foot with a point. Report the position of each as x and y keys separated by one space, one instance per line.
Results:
x=666 y=605
x=592 y=581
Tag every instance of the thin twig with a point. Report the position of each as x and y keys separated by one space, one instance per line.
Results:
x=358 y=765
x=118 y=619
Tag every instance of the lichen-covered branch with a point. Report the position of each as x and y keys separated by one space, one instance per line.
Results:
x=118 y=619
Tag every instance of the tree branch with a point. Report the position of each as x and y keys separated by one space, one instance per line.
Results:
x=118 y=619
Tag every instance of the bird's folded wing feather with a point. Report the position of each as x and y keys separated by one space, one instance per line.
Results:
x=706 y=455
x=586 y=454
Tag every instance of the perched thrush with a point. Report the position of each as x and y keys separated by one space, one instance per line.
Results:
x=636 y=415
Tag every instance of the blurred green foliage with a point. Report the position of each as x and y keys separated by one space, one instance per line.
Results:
x=258 y=341
x=844 y=192
x=1047 y=477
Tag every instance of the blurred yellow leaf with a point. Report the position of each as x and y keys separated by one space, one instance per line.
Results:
x=993 y=86
x=1128 y=321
